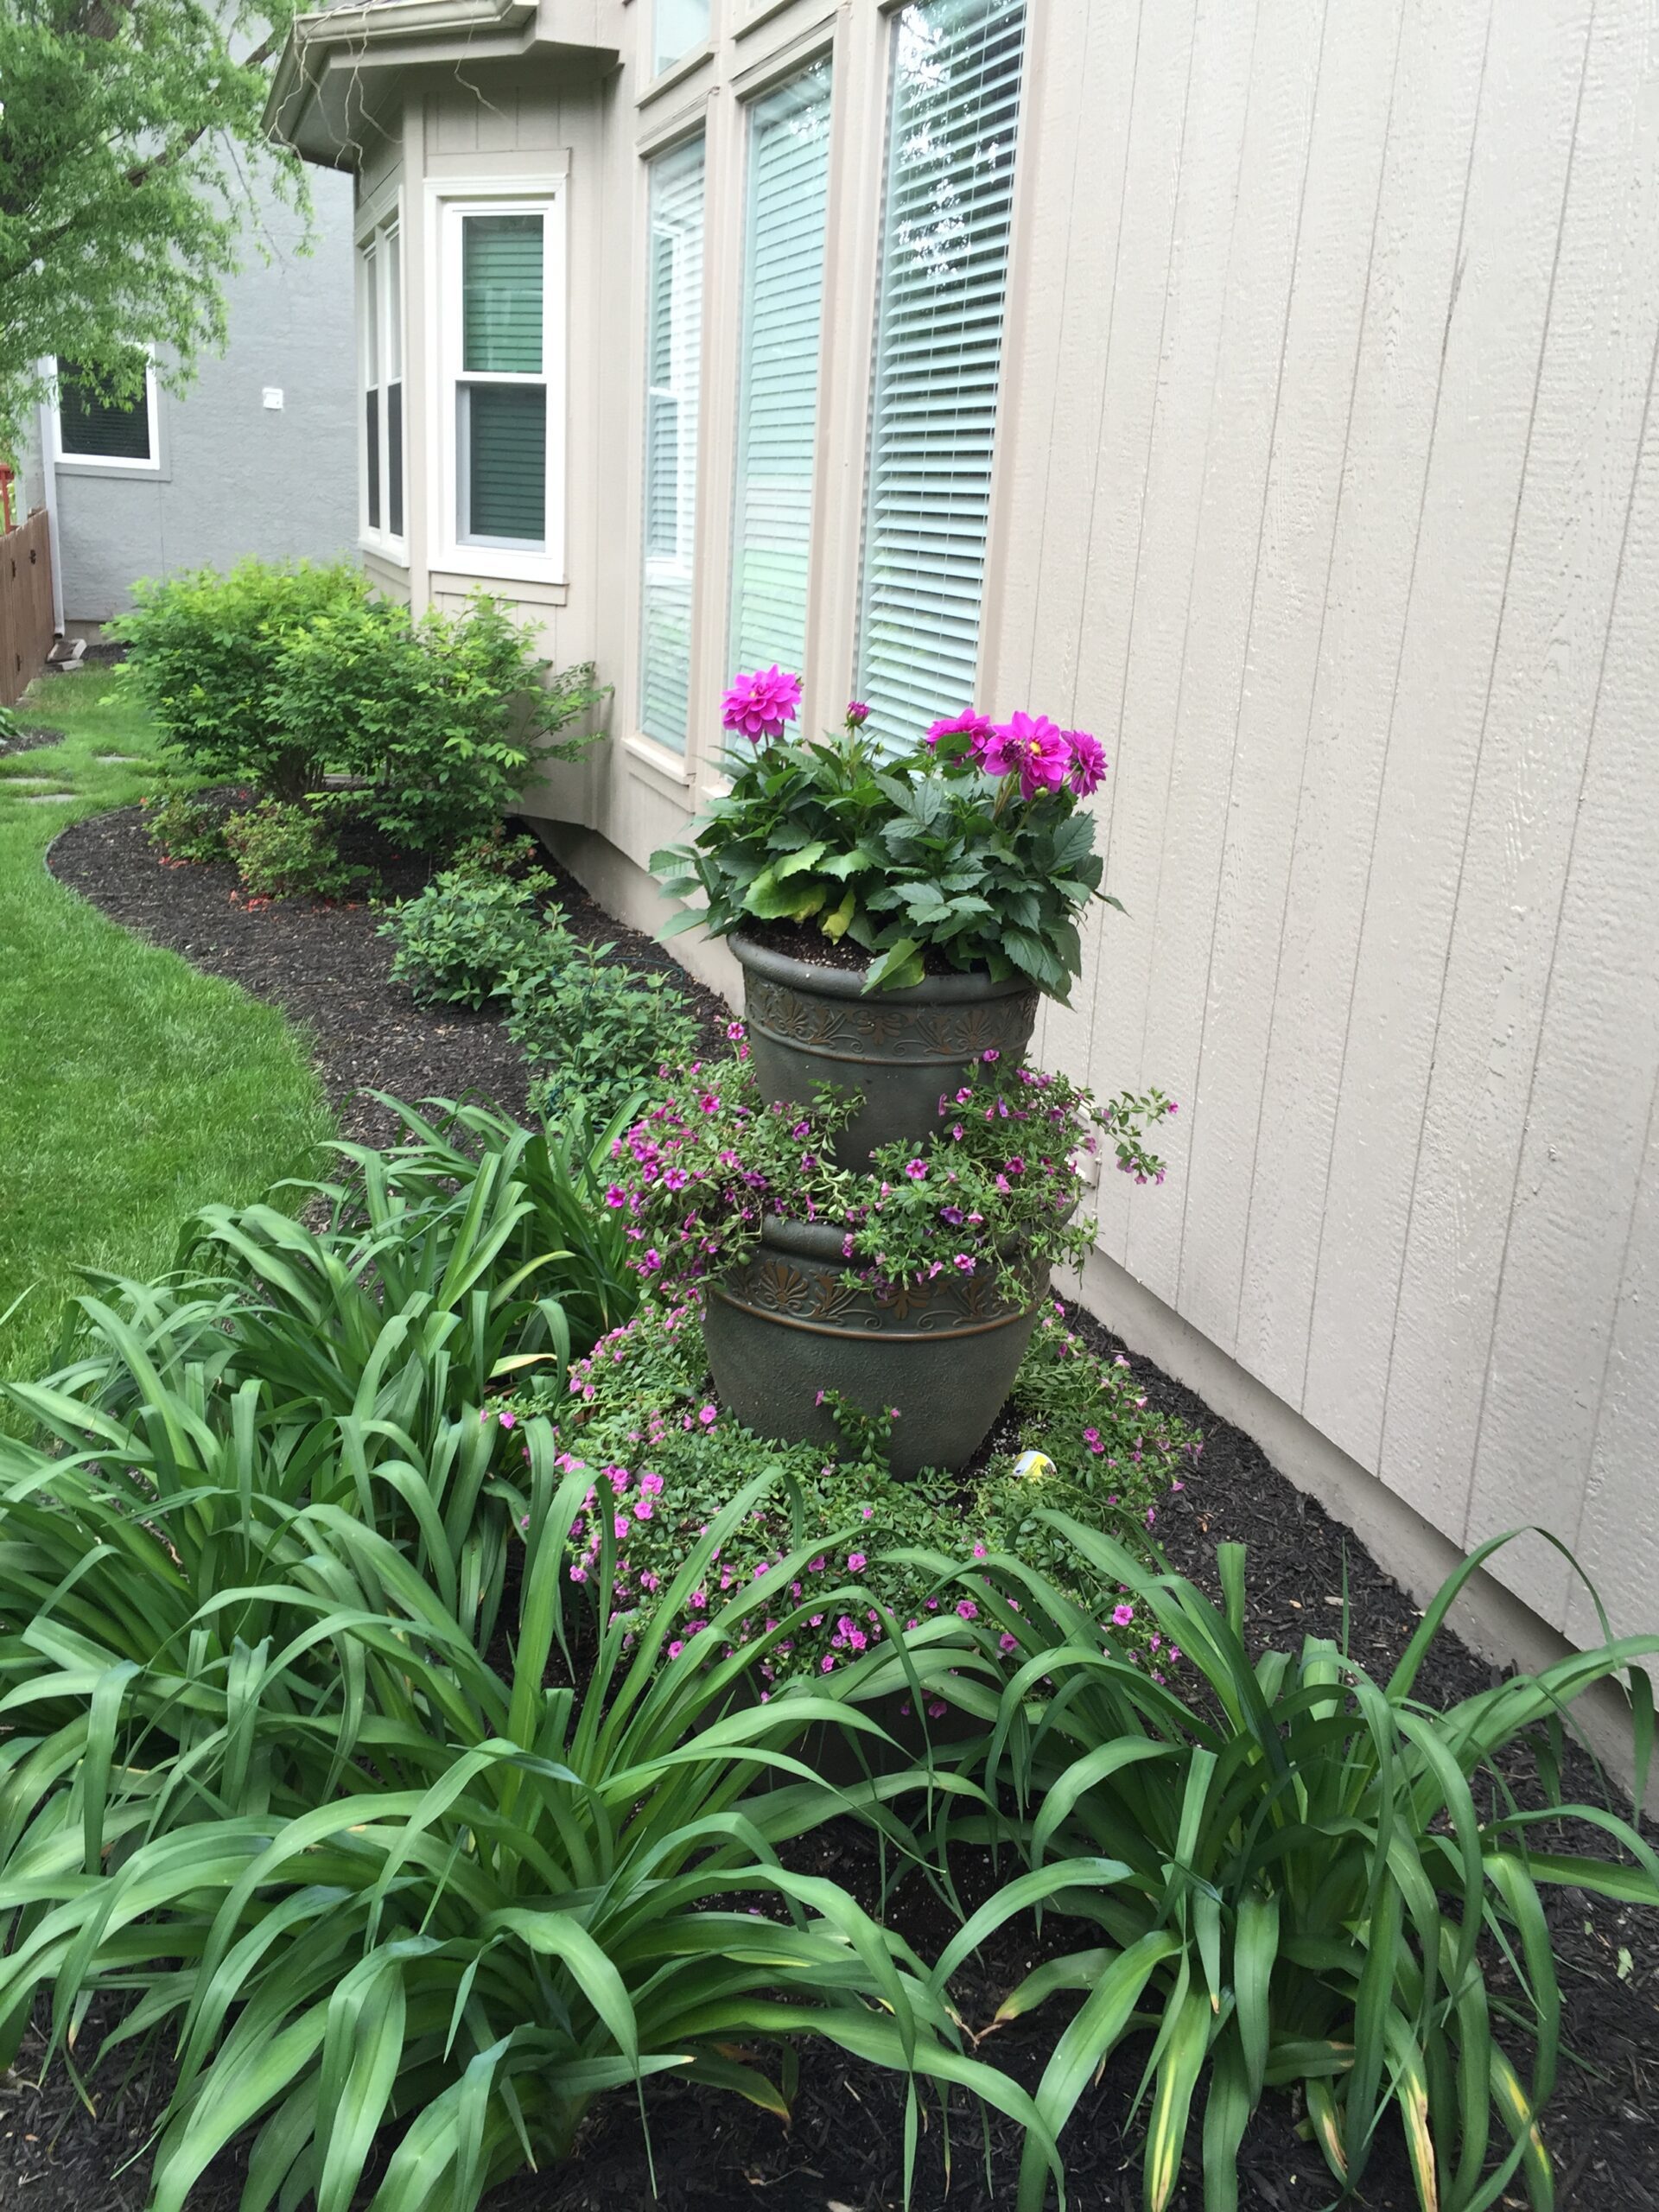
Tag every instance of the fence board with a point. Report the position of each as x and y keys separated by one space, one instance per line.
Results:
x=25 y=606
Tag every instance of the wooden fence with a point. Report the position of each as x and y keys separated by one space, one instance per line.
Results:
x=25 y=604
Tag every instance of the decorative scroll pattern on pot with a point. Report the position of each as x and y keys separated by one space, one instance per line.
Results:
x=953 y=1033
x=818 y=1296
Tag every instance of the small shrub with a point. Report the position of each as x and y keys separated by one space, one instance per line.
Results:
x=595 y=1031
x=183 y=829
x=445 y=716
x=287 y=849
x=462 y=940
x=498 y=851
x=206 y=655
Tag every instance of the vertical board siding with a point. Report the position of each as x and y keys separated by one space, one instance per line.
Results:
x=1330 y=499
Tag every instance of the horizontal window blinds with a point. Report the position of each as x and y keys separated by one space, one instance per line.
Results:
x=504 y=443
x=673 y=350
x=783 y=296
x=501 y=401
x=501 y=294
x=944 y=261
x=91 y=429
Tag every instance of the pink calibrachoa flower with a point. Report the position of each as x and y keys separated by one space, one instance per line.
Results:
x=1007 y=1642
x=709 y=1416
x=854 y=1562
x=1122 y=1616
x=917 y=1171
x=758 y=706
x=1088 y=762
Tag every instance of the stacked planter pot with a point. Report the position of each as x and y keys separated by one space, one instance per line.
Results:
x=785 y=1326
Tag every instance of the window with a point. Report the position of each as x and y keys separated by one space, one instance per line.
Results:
x=944 y=258
x=777 y=406
x=677 y=26
x=382 y=303
x=673 y=346
x=91 y=429
x=501 y=405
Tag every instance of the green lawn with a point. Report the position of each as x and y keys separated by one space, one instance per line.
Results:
x=132 y=1090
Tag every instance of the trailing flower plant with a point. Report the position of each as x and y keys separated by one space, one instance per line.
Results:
x=968 y=851
x=993 y=1189
x=664 y=1459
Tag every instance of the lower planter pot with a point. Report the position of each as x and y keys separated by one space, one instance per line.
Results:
x=785 y=1326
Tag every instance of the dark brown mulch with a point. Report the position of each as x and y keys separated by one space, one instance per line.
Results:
x=843 y=2151
x=28 y=739
x=327 y=969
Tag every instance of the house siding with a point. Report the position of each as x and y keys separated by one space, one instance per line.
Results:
x=236 y=477
x=1327 y=494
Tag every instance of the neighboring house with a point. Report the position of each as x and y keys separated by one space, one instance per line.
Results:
x=1264 y=387
x=256 y=457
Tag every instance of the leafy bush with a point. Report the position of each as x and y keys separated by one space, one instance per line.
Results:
x=595 y=1031
x=275 y=674
x=365 y=1883
x=446 y=716
x=498 y=851
x=287 y=850
x=184 y=829
x=467 y=938
x=967 y=847
x=665 y=1459
x=205 y=654
x=1300 y=1876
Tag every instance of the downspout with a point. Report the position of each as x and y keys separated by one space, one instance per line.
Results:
x=49 y=481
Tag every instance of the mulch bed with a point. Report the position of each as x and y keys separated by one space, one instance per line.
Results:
x=329 y=971
x=843 y=2152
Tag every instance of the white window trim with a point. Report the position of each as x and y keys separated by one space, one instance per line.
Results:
x=370 y=299
x=448 y=200
x=92 y=464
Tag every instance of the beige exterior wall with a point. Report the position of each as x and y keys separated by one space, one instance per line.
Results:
x=1328 y=497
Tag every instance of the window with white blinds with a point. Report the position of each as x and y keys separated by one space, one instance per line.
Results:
x=673 y=350
x=500 y=409
x=778 y=399
x=944 y=261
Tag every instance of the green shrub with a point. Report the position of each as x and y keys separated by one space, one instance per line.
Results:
x=289 y=849
x=498 y=851
x=464 y=939
x=183 y=829
x=446 y=716
x=1302 y=1877
x=205 y=654
x=278 y=673
x=596 y=1032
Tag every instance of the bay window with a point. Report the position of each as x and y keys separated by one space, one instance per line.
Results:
x=673 y=357
x=381 y=346
x=944 y=263
x=500 y=396
x=777 y=400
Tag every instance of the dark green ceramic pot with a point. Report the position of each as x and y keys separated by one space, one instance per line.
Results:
x=785 y=1326
x=811 y=1025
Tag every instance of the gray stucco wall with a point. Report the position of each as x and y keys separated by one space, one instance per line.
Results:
x=236 y=477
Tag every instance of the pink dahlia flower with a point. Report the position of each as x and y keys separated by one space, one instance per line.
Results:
x=758 y=706
x=1088 y=762
x=1032 y=747
x=974 y=726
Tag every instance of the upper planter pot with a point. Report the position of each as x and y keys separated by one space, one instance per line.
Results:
x=811 y=1026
